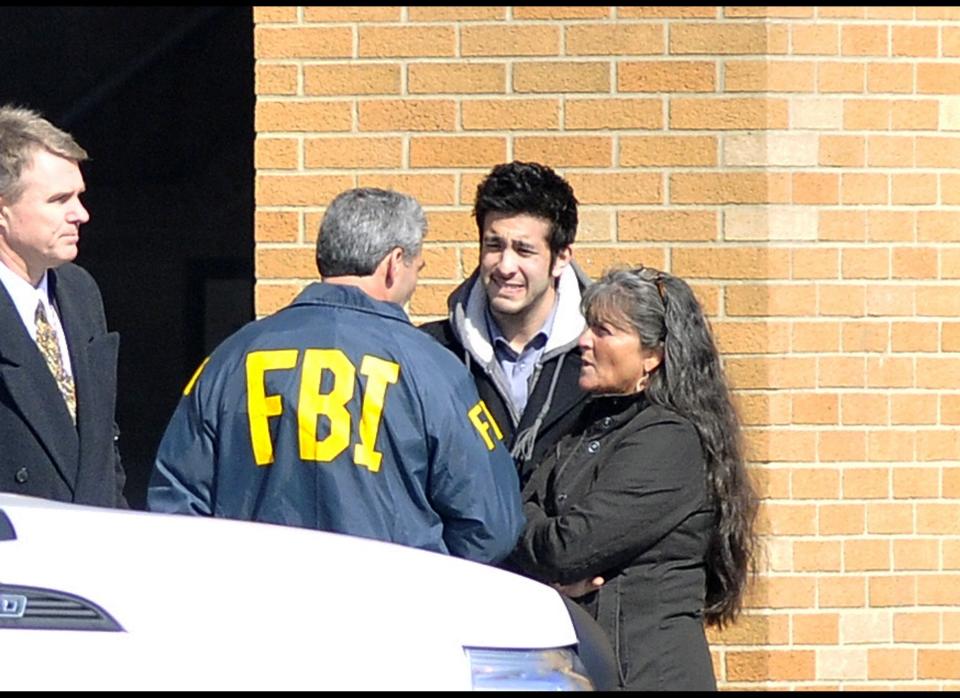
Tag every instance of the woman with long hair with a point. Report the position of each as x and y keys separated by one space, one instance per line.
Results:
x=644 y=512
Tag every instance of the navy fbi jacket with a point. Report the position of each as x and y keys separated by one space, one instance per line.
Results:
x=336 y=413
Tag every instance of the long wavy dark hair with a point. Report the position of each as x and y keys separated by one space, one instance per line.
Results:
x=690 y=381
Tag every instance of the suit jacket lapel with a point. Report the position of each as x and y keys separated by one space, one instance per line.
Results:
x=35 y=392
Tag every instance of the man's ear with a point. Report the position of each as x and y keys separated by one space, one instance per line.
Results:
x=392 y=262
x=561 y=261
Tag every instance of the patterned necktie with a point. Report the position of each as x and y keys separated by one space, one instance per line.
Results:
x=49 y=346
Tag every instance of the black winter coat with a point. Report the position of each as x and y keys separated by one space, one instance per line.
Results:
x=625 y=497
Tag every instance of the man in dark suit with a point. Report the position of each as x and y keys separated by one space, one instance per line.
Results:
x=58 y=363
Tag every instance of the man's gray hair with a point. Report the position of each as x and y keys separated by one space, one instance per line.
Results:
x=22 y=132
x=362 y=225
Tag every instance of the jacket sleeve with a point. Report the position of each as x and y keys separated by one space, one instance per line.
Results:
x=473 y=481
x=650 y=483
x=183 y=473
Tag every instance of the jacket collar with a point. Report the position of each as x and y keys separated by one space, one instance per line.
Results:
x=351 y=297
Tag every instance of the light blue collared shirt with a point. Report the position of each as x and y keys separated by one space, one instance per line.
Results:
x=518 y=367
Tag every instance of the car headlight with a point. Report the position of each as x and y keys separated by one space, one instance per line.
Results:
x=556 y=669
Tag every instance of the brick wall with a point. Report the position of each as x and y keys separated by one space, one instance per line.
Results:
x=800 y=166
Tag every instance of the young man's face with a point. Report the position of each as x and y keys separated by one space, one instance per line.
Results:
x=41 y=229
x=515 y=264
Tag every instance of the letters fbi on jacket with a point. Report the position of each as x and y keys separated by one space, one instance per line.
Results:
x=327 y=381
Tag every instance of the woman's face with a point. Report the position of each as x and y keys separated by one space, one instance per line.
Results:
x=613 y=360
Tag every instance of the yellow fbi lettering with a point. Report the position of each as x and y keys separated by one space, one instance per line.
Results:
x=484 y=422
x=312 y=404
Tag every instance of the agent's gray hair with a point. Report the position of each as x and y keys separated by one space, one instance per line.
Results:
x=362 y=225
x=22 y=132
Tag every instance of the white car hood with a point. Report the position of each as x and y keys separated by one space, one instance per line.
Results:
x=347 y=611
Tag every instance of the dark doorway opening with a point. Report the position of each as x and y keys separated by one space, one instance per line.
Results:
x=162 y=98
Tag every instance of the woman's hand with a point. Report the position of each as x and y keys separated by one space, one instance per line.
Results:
x=577 y=589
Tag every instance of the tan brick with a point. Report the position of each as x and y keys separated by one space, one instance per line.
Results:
x=665 y=12
x=737 y=113
x=276 y=153
x=407 y=115
x=593 y=114
x=353 y=153
x=845 y=445
x=816 y=483
x=951 y=480
x=517 y=40
x=865 y=263
x=939 y=373
x=821 y=263
x=913 y=409
x=912 y=189
x=950 y=189
x=848 y=299
x=565 y=151
x=890 y=12
x=915 y=114
x=428 y=189
x=666 y=76
x=866 y=555
x=844 y=663
x=275 y=79
x=890 y=77
x=891 y=226
x=451 y=226
x=555 y=76
x=431 y=299
x=762 y=408
x=866 y=114
x=815 y=39
x=915 y=554
x=841 y=592
x=456 y=78
x=816 y=629
x=492 y=114
x=772 y=372
x=884 y=663
x=457 y=151
x=302 y=42
x=769 y=76
x=950 y=411
x=286 y=263
x=834 y=76
x=815 y=188
x=865 y=188
x=752 y=629
x=667 y=225
x=614 y=39
x=751 y=337
x=276 y=226
x=596 y=225
x=729 y=188
x=726 y=38
x=934 y=151
x=303 y=116
x=866 y=483
x=351 y=14
x=913 y=336
x=890 y=151
x=842 y=151
x=820 y=114
x=816 y=556
x=546 y=12
x=269 y=298
x=617 y=188
x=750 y=11
x=446 y=13
x=844 y=12
x=951 y=554
x=841 y=519
x=938 y=518
x=864 y=40
x=864 y=408
x=865 y=336
x=267 y=14
x=766 y=149
x=815 y=337
x=884 y=518
x=299 y=190
x=344 y=79
x=731 y=262
x=938 y=78
x=407 y=41
x=667 y=151
x=949 y=263
x=843 y=225
x=937 y=300
x=938 y=664
x=777 y=446
x=440 y=263
x=770 y=665
x=951 y=627
x=764 y=301
x=770 y=223
x=594 y=260
x=890 y=372
x=841 y=372
x=788 y=519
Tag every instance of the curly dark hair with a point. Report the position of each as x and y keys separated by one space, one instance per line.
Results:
x=690 y=381
x=531 y=188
